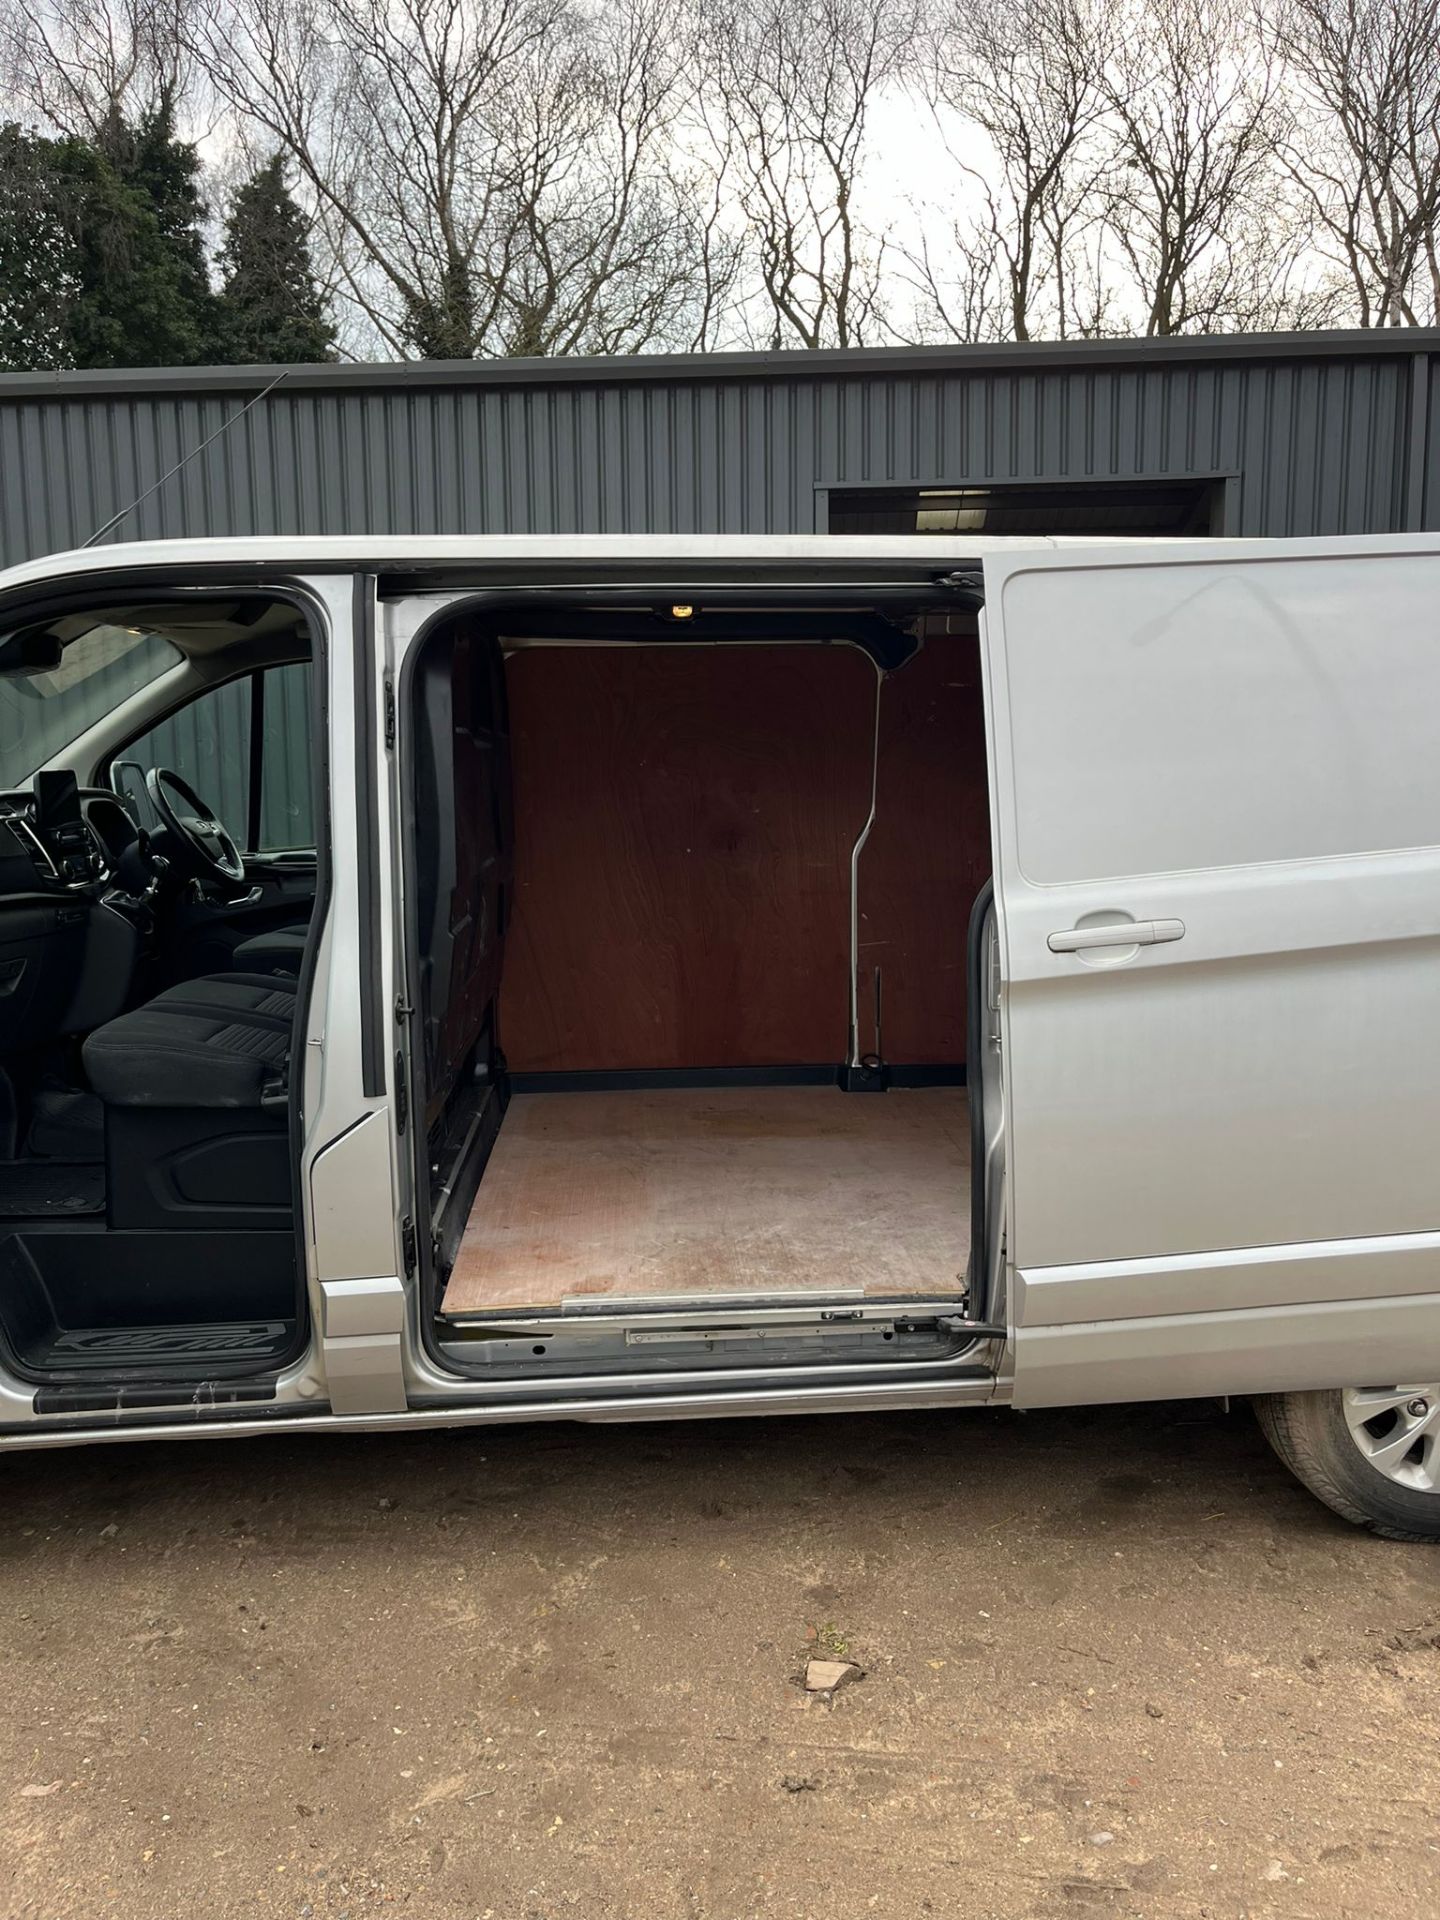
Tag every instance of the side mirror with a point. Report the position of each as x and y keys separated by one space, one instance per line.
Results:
x=31 y=650
x=131 y=790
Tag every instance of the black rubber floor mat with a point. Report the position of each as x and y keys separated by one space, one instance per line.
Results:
x=67 y=1124
x=42 y=1189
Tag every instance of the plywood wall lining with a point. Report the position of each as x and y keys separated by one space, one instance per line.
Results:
x=927 y=856
x=684 y=820
x=684 y=824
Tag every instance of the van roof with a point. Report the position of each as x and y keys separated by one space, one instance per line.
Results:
x=924 y=553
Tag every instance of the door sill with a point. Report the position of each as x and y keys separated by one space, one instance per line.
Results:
x=973 y=1387
x=850 y=1306
x=630 y=1345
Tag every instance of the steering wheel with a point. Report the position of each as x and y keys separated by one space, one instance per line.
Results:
x=199 y=837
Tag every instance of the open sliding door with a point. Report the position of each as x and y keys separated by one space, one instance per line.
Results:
x=1217 y=808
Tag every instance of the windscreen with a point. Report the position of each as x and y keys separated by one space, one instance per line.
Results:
x=41 y=713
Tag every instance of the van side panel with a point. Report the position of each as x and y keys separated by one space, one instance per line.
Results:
x=1265 y=1080
x=1243 y=1350
x=1217 y=815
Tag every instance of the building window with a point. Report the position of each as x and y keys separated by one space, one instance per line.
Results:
x=1174 y=509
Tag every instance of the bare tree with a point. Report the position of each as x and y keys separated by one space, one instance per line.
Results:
x=1362 y=144
x=1121 y=176
x=489 y=176
x=81 y=67
x=958 y=284
x=1191 y=96
x=716 y=248
x=388 y=114
x=1026 y=76
x=601 y=245
x=559 y=176
x=788 y=87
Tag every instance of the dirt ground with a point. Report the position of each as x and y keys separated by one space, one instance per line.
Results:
x=1115 y=1662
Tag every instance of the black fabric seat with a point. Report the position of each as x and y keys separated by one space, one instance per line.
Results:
x=221 y=1041
x=279 y=951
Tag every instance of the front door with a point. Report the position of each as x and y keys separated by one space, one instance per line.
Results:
x=1216 y=778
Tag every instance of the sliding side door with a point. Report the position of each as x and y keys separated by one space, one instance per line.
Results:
x=1216 y=775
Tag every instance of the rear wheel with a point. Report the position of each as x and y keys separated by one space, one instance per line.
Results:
x=1370 y=1453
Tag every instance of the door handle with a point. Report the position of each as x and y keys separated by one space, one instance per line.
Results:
x=1122 y=933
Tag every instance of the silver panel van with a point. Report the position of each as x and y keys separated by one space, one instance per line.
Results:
x=457 y=981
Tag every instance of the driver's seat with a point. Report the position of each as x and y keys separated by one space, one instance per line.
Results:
x=195 y=1085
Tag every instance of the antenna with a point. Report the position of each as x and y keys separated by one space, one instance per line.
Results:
x=223 y=428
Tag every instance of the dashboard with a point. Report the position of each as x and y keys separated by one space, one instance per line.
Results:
x=62 y=838
x=77 y=888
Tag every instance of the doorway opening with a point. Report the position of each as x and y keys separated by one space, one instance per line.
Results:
x=692 y=900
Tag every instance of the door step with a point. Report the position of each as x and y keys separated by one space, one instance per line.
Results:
x=111 y=1346
x=175 y=1358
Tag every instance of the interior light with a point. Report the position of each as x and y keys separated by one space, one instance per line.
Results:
x=681 y=613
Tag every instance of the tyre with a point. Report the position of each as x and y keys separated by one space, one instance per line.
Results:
x=1370 y=1453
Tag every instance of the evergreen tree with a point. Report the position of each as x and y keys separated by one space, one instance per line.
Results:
x=273 y=310
x=165 y=172
x=442 y=325
x=43 y=185
x=101 y=259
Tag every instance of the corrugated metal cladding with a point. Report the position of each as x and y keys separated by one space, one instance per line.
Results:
x=1305 y=434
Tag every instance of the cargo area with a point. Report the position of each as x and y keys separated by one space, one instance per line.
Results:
x=689 y=1192
x=693 y=960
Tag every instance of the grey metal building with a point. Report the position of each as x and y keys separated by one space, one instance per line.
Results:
x=1258 y=434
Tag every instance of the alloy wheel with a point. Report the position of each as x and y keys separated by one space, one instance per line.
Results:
x=1397 y=1429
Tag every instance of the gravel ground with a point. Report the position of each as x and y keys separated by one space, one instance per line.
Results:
x=1114 y=1661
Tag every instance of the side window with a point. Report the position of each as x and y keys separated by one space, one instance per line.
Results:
x=246 y=749
x=286 y=800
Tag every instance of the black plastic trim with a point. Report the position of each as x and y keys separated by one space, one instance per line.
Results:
x=465 y=1179
x=950 y=1074
x=805 y=592
x=732 y=616
x=257 y=760
x=367 y=819
x=199 y=1395
x=428 y=1281
x=640 y=1079
x=309 y=962
x=432 y=1267
x=975 y=1009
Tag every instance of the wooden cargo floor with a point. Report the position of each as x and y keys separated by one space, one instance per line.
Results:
x=722 y=1191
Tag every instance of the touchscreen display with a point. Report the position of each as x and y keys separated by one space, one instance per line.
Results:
x=57 y=801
